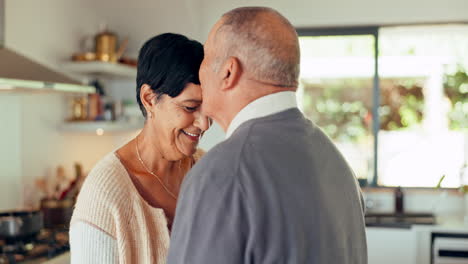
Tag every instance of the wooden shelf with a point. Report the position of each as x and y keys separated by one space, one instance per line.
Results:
x=101 y=127
x=101 y=69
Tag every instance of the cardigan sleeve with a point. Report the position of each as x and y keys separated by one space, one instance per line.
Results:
x=88 y=244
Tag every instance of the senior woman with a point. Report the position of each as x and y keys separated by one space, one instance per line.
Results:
x=126 y=206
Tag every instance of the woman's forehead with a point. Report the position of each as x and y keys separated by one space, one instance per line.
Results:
x=192 y=92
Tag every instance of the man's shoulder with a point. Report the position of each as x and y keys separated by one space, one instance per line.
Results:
x=225 y=155
x=253 y=133
x=279 y=130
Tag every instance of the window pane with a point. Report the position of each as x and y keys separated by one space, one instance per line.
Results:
x=337 y=81
x=423 y=108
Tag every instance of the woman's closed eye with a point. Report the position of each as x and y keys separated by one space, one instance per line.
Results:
x=191 y=109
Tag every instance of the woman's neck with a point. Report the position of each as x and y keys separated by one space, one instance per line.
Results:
x=152 y=157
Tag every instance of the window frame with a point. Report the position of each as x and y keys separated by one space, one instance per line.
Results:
x=373 y=30
x=356 y=31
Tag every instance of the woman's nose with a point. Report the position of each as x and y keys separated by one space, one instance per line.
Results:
x=203 y=122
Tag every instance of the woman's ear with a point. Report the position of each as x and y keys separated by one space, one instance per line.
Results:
x=147 y=97
x=231 y=72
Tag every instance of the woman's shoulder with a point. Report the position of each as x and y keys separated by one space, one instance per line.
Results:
x=103 y=195
x=107 y=183
x=108 y=172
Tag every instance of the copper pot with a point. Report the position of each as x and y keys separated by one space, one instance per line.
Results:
x=106 y=47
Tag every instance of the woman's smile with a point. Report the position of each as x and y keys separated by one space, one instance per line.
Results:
x=192 y=136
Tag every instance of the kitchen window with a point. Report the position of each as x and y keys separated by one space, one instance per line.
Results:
x=393 y=99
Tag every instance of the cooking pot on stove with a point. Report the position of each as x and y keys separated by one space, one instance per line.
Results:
x=19 y=224
x=57 y=213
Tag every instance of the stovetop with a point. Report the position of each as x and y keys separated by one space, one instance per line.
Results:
x=45 y=245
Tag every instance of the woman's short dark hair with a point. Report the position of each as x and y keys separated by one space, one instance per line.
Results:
x=167 y=63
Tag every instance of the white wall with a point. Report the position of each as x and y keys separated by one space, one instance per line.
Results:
x=48 y=31
x=44 y=146
x=326 y=13
x=10 y=160
x=212 y=137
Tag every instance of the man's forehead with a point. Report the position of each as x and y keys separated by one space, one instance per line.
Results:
x=215 y=30
x=211 y=38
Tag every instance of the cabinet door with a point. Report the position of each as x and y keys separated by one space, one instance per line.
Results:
x=391 y=246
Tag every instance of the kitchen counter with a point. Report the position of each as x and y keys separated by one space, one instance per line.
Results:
x=60 y=259
x=452 y=225
x=392 y=220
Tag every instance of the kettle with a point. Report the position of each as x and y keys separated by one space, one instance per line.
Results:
x=106 y=47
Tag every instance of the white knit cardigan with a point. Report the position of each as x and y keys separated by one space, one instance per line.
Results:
x=112 y=223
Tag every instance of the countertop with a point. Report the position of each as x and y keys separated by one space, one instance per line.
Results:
x=60 y=259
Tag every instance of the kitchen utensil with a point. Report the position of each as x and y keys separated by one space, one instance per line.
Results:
x=85 y=56
x=20 y=224
x=122 y=48
x=79 y=108
x=57 y=213
x=61 y=182
x=41 y=184
x=72 y=191
x=128 y=61
x=106 y=47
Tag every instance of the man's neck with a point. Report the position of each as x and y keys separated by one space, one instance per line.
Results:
x=246 y=94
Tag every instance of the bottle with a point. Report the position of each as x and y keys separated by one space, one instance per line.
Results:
x=399 y=199
x=97 y=102
x=79 y=109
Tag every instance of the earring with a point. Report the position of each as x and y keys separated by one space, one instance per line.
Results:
x=150 y=115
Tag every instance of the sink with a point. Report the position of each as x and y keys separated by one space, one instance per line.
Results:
x=405 y=220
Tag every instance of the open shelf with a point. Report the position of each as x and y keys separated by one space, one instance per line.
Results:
x=101 y=127
x=101 y=69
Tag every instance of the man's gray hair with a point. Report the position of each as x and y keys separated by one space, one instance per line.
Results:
x=266 y=57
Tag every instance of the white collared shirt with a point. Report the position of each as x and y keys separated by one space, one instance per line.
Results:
x=263 y=106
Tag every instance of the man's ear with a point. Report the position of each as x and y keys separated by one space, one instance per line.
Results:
x=147 y=97
x=230 y=72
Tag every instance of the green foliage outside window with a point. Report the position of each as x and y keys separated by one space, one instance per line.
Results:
x=343 y=108
x=402 y=106
x=456 y=89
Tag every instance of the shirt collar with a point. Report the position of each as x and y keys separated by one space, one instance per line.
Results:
x=263 y=106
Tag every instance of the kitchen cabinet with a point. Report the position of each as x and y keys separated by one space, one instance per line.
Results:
x=426 y=234
x=391 y=245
